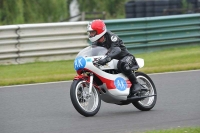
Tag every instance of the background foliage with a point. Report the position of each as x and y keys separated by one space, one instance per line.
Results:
x=31 y=11
x=44 y=11
x=113 y=8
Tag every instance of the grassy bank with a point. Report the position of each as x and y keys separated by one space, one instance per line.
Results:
x=177 y=59
x=178 y=130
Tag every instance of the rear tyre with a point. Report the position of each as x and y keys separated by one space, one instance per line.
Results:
x=85 y=104
x=149 y=102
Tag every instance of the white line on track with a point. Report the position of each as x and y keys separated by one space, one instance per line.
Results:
x=71 y=80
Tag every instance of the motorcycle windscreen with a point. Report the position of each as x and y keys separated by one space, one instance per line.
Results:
x=92 y=50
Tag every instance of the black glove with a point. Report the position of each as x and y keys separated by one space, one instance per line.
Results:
x=104 y=61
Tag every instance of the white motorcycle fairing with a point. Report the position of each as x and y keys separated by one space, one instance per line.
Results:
x=116 y=86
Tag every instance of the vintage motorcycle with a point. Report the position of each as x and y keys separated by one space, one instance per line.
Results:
x=95 y=83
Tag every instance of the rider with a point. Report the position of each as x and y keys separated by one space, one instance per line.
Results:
x=100 y=36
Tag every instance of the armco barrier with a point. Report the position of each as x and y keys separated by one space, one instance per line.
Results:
x=153 y=33
x=41 y=42
x=62 y=41
x=8 y=44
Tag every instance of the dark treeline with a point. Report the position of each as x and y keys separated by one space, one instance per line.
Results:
x=32 y=11
x=44 y=11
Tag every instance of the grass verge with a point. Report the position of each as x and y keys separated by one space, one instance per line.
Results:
x=176 y=59
x=178 y=130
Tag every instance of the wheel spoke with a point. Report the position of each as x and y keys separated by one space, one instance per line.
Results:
x=146 y=83
x=87 y=103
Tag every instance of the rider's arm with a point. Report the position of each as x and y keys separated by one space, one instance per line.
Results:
x=114 y=51
x=115 y=47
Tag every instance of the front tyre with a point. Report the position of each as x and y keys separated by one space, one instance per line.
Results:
x=149 y=102
x=85 y=104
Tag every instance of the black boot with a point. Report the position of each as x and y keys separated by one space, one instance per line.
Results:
x=135 y=87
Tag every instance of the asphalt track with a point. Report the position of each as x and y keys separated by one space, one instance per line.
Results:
x=46 y=108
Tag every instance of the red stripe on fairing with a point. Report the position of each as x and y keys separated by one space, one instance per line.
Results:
x=110 y=83
x=128 y=83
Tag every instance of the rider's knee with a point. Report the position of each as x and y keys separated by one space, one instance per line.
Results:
x=125 y=68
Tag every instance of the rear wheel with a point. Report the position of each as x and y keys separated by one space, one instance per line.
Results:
x=85 y=103
x=148 y=103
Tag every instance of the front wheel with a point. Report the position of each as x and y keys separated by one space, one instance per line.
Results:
x=85 y=103
x=149 y=102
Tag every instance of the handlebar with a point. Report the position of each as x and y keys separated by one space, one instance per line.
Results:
x=95 y=62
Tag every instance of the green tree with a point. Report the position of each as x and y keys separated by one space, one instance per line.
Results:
x=32 y=11
x=44 y=11
x=113 y=8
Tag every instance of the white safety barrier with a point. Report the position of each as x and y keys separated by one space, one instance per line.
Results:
x=41 y=42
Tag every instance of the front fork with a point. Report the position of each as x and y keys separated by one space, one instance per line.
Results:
x=91 y=83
